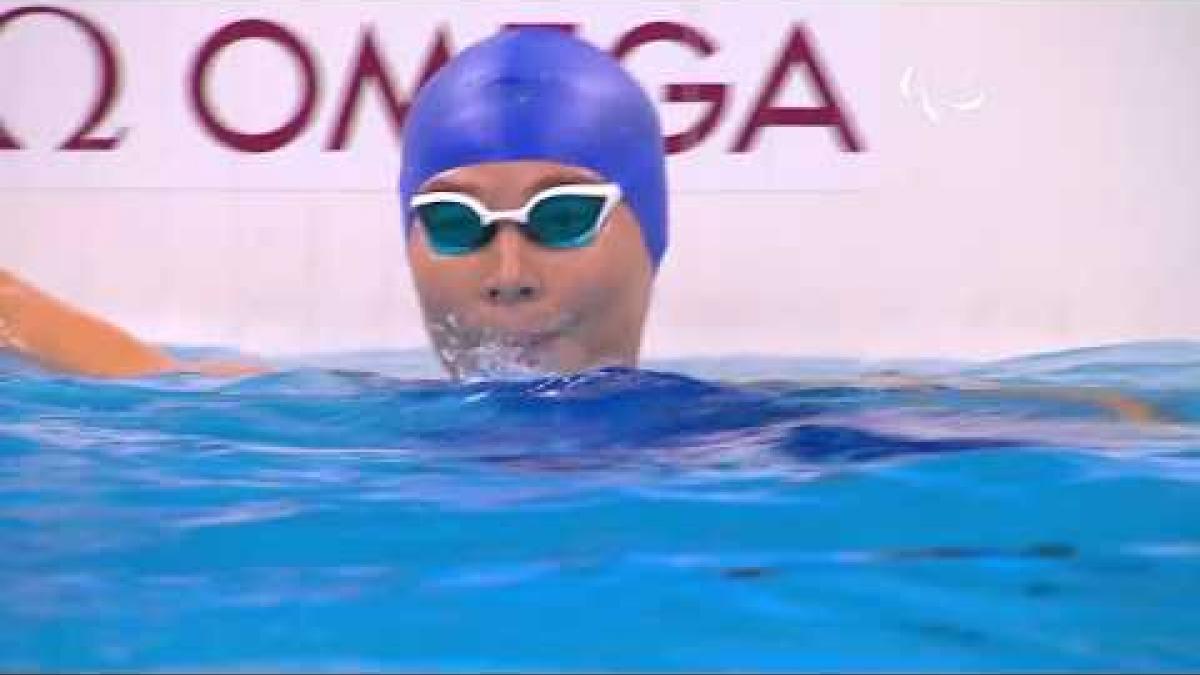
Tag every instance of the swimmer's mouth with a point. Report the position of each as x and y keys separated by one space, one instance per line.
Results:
x=528 y=340
x=523 y=337
x=521 y=349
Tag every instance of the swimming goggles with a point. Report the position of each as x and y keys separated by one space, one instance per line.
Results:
x=559 y=217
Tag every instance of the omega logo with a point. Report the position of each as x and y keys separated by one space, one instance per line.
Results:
x=798 y=54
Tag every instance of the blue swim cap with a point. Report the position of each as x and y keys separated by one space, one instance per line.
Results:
x=540 y=94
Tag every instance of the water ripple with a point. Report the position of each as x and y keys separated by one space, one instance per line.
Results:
x=786 y=514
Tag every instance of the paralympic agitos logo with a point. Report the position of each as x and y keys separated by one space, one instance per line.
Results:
x=798 y=56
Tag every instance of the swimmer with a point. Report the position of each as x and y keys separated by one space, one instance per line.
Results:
x=534 y=187
x=533 y=193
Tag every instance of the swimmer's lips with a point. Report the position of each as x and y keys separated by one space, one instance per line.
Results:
x=530 y=340
x=523 y=340
x=531 y=349
x=521 y=336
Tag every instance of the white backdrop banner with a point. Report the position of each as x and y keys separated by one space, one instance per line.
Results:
x=233 y=95
x=223 y=172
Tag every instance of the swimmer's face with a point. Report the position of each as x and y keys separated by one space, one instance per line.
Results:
x=515 y=303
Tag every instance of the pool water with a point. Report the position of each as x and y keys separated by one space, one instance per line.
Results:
x=355 y=512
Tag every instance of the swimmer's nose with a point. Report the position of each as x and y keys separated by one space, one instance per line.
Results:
x=511 y=279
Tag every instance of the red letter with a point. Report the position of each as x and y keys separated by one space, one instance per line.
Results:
x=370 y=67
x=263 y=30
x=110 y=80
x=698 y=92
x=798 y=51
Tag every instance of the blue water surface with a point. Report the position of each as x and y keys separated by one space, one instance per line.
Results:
x=357 y=512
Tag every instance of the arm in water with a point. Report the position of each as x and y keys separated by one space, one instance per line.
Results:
x=61 y=337
x=1125 y=407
